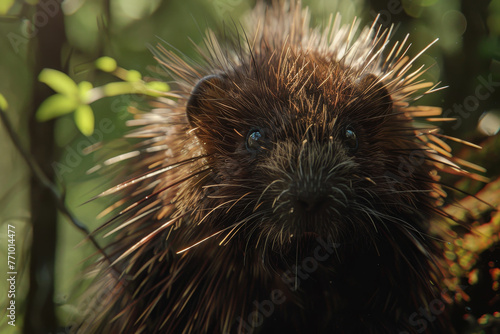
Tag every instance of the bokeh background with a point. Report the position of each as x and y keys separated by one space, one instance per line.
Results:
x=70 y=35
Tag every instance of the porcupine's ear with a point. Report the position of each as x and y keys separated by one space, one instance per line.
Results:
x=203 y=98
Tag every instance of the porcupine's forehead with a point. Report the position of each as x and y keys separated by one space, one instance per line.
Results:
x=296 y=79
x=306 y=108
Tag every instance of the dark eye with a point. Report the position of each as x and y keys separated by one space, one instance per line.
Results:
x=255 y=139
x=351 y=140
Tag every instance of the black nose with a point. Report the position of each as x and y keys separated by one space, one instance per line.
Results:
x=310 y=202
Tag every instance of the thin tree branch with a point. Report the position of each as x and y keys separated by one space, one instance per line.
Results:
x=44 y=180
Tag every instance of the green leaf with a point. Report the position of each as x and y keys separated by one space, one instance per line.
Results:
x=5 y=5
x=55 y=106
x=84 y=119
x=118 y=88
x=158 y=85
x=58 y=81
x=3 y=103
x=133 y=76
x=106 y=64
x=85 y=87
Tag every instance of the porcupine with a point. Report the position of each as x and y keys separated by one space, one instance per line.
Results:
x=287 y=189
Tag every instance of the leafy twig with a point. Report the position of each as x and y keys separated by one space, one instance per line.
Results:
x=45 y=181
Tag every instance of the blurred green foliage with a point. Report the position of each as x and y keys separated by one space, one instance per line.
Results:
x=72 y=97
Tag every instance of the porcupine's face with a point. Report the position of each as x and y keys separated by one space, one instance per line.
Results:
x=320 y=152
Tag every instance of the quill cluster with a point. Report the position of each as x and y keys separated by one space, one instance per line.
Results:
x=287 y=189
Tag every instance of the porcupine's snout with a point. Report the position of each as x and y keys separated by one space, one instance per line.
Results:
x=311 y=188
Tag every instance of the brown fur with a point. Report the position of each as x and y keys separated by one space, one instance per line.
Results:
x=329 y=232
